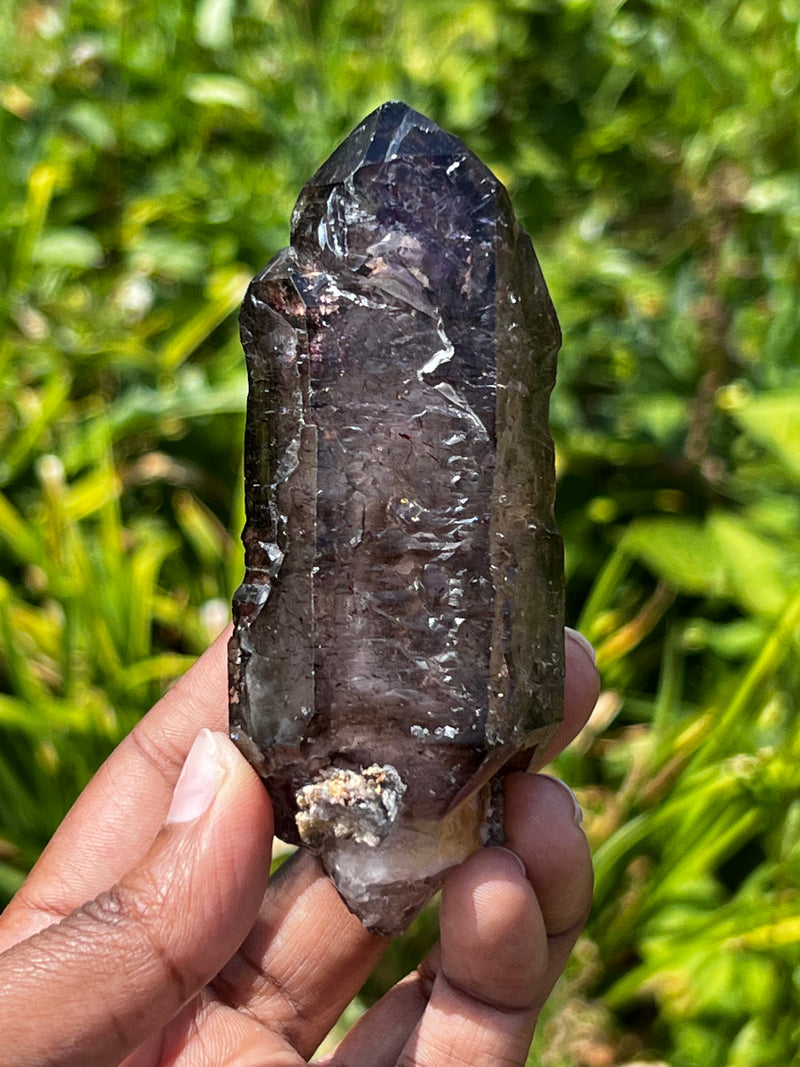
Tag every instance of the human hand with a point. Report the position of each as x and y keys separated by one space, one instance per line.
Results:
x=184 y=955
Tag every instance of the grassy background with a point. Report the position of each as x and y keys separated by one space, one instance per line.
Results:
x=151 y=156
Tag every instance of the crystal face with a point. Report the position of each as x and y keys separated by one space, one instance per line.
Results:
x=398 y=638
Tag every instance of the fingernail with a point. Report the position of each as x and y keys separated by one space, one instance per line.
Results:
x=199 y=780
x=510 y=852
x=579 y=639
x=577 y=810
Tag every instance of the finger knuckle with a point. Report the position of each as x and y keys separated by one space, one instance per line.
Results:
x=132 y=915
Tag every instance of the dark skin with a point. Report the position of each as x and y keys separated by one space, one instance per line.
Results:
x=148 y=942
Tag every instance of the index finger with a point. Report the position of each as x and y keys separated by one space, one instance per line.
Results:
x=113 y=822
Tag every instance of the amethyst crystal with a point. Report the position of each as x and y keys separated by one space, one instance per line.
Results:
x=398 y=637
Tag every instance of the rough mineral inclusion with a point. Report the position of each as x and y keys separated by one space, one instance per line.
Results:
x=398 y=636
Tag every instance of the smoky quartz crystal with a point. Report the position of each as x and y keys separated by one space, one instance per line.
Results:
x=398 y=639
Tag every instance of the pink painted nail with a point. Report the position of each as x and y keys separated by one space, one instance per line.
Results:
x=199 y=780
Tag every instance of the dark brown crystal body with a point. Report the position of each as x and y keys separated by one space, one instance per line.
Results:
x=398 y=636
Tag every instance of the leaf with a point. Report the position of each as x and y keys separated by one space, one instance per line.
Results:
x=91 y=493
x=760 y=572
x=723 y=557
x=18 y=535
x=71 y=246
x=773 y=419
x=681 y=551
x=171 y=258
x=213 y=25
x=161 y=668
x=225 y=292
x=140 y=408
x=146 y=565
x=775 y=195
x=92 y=123
x=220 y=90
x=202 y=528
x=10 y=880
x=88 y=716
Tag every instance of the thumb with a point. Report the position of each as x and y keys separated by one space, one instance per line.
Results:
x=93 y=987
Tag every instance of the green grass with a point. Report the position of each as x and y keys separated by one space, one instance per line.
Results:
x=151 y=158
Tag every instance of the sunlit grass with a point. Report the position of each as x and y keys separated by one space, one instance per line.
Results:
x=150 y=163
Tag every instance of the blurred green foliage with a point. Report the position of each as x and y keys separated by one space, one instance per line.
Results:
x=151 y=157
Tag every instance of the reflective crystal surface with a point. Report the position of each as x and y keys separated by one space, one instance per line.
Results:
x=398 y=636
